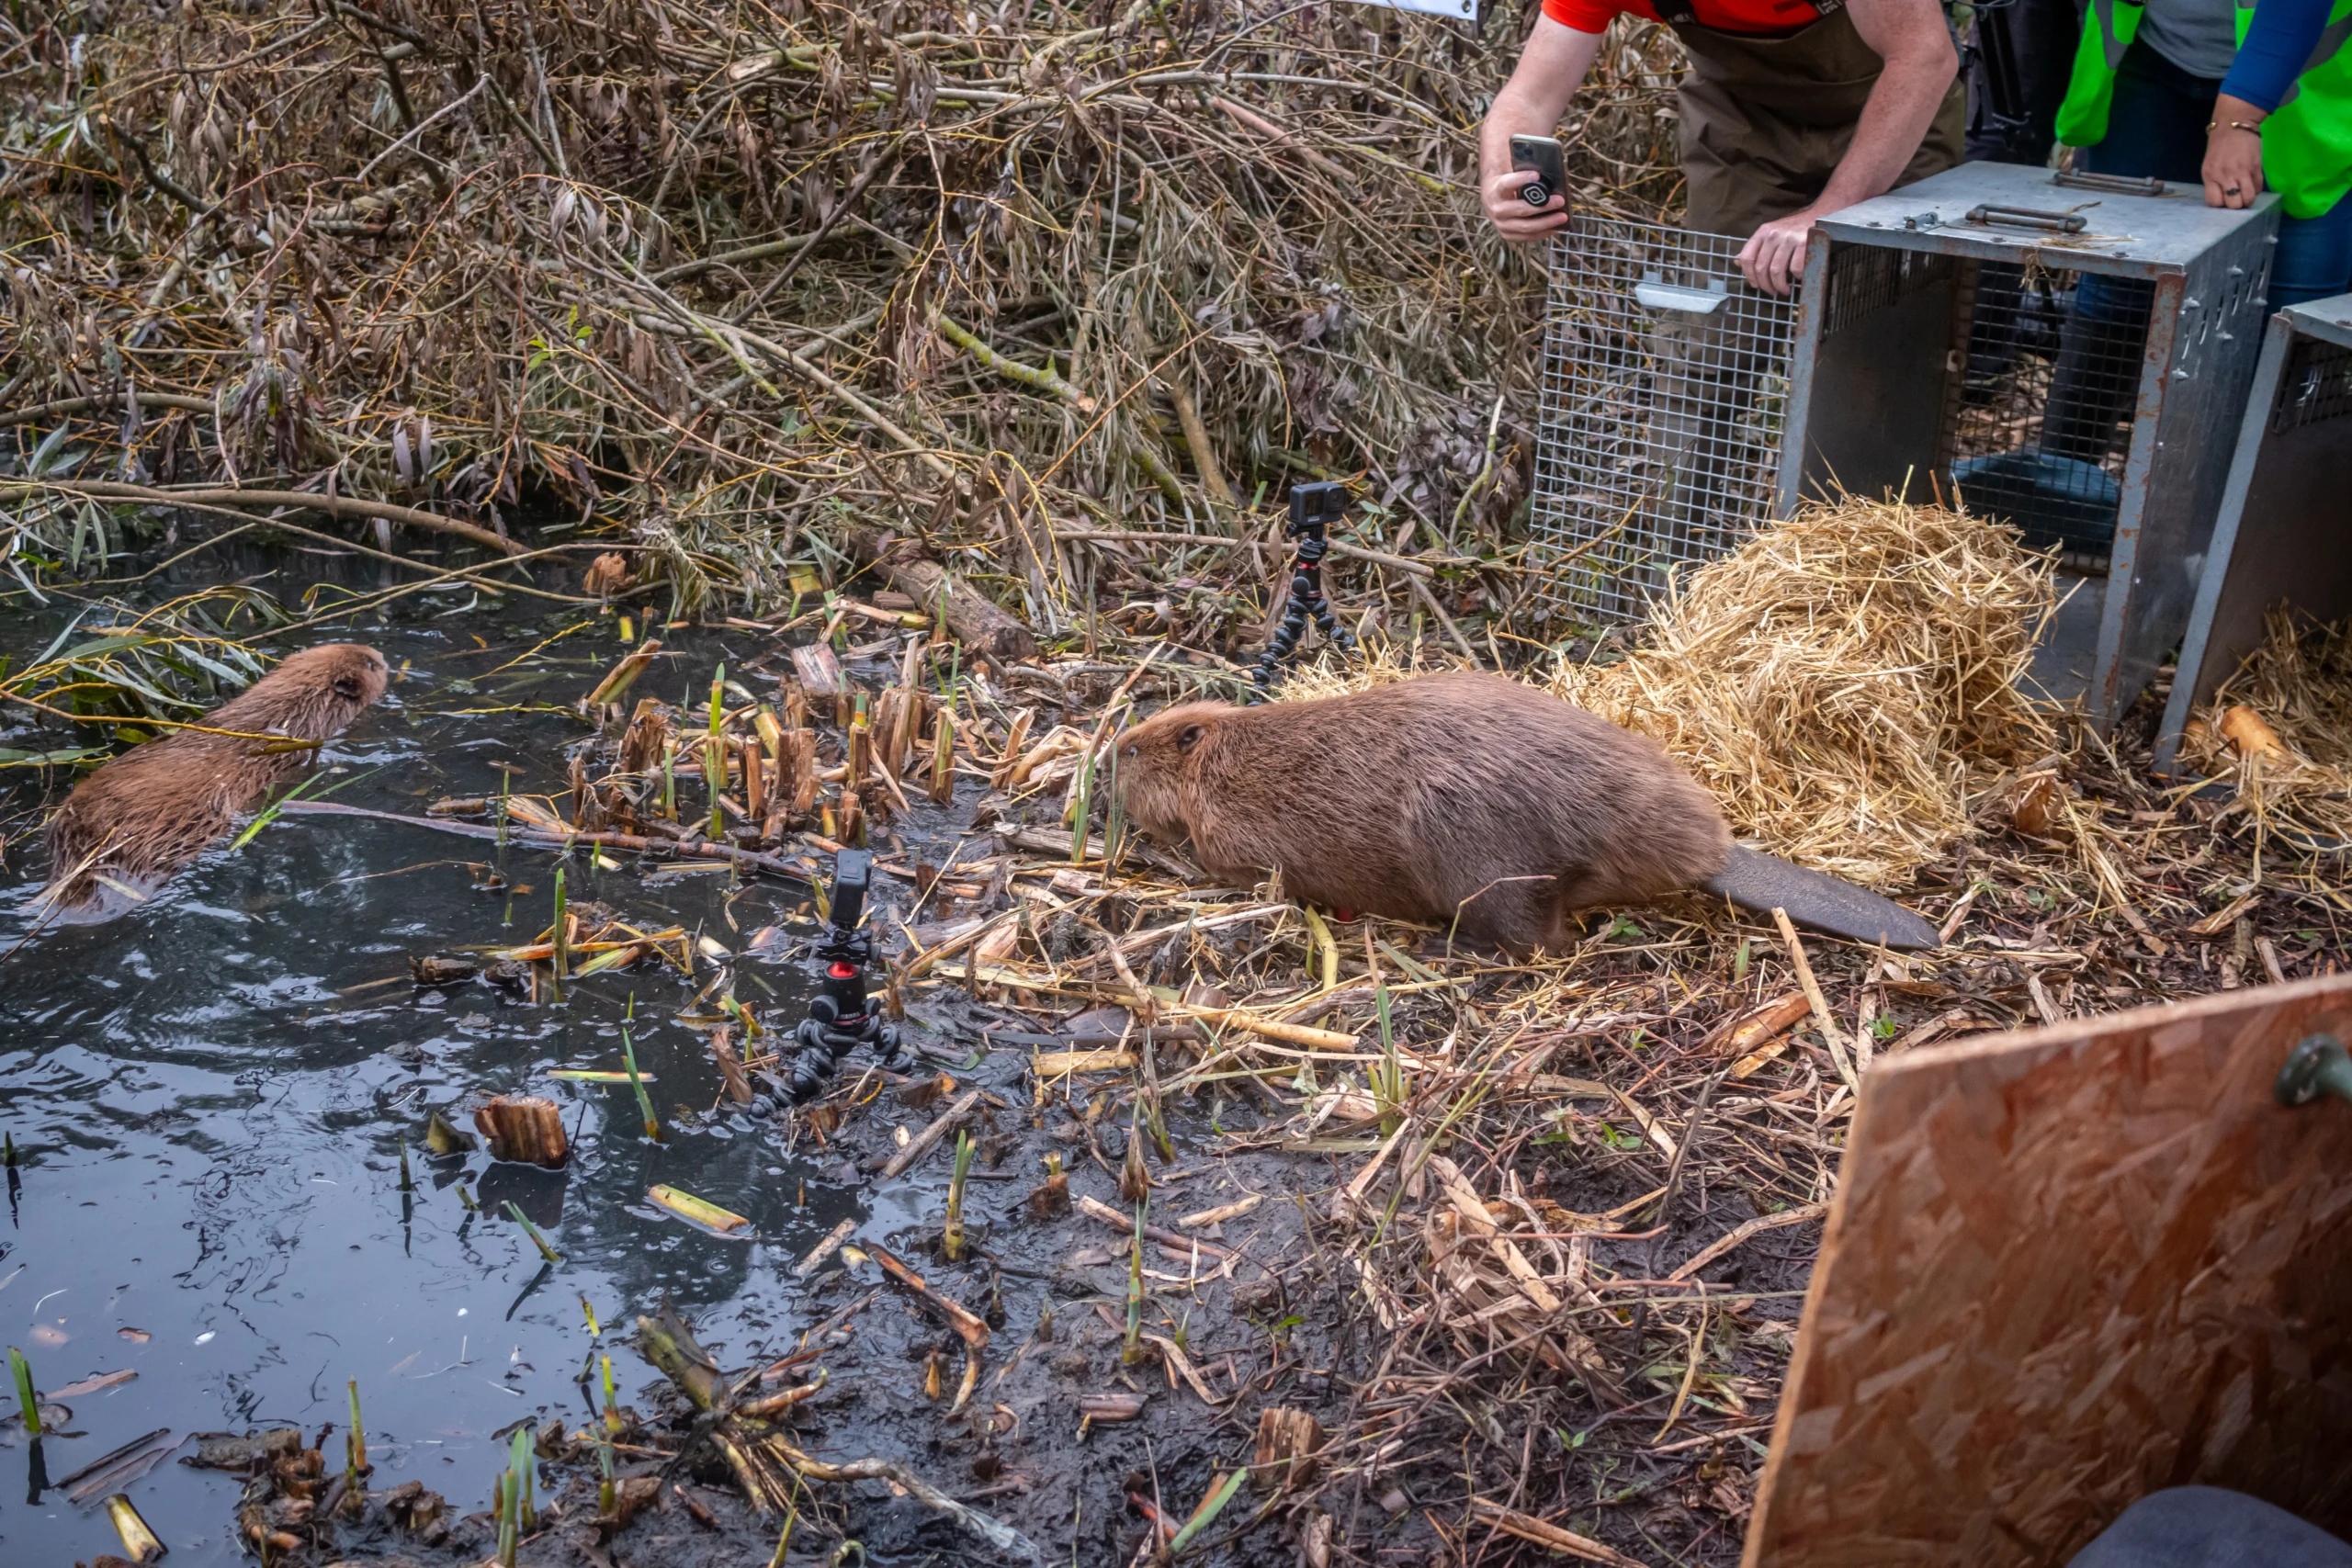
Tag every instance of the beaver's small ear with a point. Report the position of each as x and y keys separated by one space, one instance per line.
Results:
x=1191 y=736
x=347 y=687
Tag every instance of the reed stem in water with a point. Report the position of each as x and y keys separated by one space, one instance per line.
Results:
x=355 y=1444
x=952 y=1242
x=1131 y=1351
x=25 y=1395
x=562 y=929
x=644 y=1101
x=520 y=1218
x=519 y=1456
x=714 y=755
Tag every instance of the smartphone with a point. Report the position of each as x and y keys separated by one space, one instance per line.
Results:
x=1538 y=157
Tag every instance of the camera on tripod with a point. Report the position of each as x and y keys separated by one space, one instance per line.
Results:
x=1313 y=508
x=842 y=1017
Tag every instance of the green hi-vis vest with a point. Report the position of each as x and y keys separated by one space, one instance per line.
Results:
x=2306 y=144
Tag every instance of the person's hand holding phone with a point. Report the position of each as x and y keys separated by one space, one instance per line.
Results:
x=1514 y=218
x=1529 y=201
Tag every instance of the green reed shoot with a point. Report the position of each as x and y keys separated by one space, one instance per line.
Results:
x=784 y=1542
x=502 y=1502
x=8 y=1150
x=1739 y=961
x=355 y=1444
x=1114 y=818
x=526 y=1516
x=520 y=1218
x=466 y=1198
x=607 y=1499
x=562 y=929
x=670 y=780
x=1211 y=1507
x=1388 y=1078
x=25 y=1395
x=612 y=1401
x=644 y=1101
x=1081 y=802
x=1131 y=1351
x=714 y=754
x=952 y=1241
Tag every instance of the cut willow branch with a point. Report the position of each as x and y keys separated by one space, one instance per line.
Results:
x=333 y=506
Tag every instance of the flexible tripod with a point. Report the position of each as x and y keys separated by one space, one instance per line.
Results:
x=1313 y=508
x=840 y=1017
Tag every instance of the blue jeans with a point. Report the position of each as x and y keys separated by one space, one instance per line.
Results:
x=2157 y=127
x=2203 y=1527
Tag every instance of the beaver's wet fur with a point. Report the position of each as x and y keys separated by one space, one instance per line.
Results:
x=151 y=810
x=1463 y=793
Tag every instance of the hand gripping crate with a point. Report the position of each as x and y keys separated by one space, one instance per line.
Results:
x=2058 y=350
x=2285 y=530
x=1665 y=376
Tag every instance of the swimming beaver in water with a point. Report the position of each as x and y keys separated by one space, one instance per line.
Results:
x=150 y=811
x=1465 y=793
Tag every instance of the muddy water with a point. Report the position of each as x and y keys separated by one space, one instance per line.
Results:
x=208 y=1097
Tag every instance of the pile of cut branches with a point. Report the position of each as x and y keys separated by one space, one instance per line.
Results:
x=1034 y=279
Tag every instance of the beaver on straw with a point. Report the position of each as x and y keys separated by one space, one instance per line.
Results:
x=1466 y=801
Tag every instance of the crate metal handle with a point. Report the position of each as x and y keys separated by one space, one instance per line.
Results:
x=2028 y=217
x=1659 y=295
x=2121 y=184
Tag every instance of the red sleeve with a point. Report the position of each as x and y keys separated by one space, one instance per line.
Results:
x=1584 y=16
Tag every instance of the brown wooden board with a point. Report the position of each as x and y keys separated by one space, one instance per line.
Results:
x=2065 y=1268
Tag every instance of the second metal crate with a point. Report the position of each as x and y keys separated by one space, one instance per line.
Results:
x=2285 y=531
x=2056 y=351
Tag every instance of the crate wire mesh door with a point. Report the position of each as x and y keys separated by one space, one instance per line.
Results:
x=1665 y=384
x=2032 y=427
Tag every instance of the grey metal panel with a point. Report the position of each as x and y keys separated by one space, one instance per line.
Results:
x=2284 y=531
x=2328 y=320
x=2126 y=236
x=2215 y=343
x=1885 y=372
x=1804 y=352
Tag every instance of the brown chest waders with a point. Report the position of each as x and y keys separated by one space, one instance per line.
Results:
x=1764 y=122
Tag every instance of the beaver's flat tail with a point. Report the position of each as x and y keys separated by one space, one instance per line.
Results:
x=1754 y=880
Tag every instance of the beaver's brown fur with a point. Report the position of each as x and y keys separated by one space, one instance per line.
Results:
x=150 y=811
x=1464 y=793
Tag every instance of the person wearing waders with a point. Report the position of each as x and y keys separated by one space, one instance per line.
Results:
x=2231 y=98
x=1791 y=109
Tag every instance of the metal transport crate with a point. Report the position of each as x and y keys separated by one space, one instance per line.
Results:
x=1664 y=380
x=2057 y=350
x=2285 y=530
